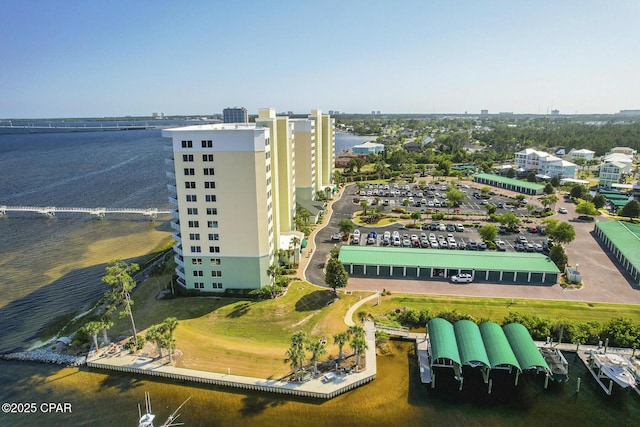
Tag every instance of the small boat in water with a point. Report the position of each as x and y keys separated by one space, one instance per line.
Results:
x=613 y=366
x=147 y=419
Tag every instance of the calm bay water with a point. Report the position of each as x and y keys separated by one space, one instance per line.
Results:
x=49 y=267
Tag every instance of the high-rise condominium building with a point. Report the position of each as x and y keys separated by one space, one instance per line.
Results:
x=235 y=187
x=235 y=115
x=224 y=216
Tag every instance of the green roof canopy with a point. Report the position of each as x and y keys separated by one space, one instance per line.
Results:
x=497 y=346
x=470 y=343
x=524 y=348
x=419 y=257
x=511 y=181
x=443 y=340
x=626 y=237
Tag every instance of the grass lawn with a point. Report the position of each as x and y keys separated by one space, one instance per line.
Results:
x=251 y=338
x=497 y=308
x=248 y=337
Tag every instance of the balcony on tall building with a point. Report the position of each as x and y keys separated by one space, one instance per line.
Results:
x=180 y=272
x=173 y=200
x=175 y=213
x=170 y=163
x=171 y=176
x=178 y=249
x=179 y=261
x=177 y=237
x=175 y=225
x=181 y=282
x=172 y=189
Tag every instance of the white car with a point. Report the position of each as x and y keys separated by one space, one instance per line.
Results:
x=356 y=232
x=562 y=211
x=462 y=278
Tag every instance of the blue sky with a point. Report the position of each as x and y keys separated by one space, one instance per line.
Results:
x=113 y=58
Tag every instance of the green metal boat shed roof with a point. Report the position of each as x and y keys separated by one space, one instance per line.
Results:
x=626 y=237
x=511 y=181
x=470 y=343
x=443 y=340
x=497 y=346
x=524 y=348
x=477 y=260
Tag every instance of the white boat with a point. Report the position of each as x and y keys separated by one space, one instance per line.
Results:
x=615 y=367
x=146 y=420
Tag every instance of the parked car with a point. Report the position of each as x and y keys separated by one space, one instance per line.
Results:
x=355 y=240
x=459 y=228
x=482 y=246
x=336 y=236
x=462 y=245
x=501 y=245
x=519 y=247
x=472 y=245
x=462 y=278
x=562 y=211
x=533 y=229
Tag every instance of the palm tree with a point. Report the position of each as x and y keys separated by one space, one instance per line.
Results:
x=295 y=241
x=317 y=349
x=365 y=204
x=341 y=339
x=106 y=324
x=359 y=345
x=356 y=331
x=156 y=335
x=274 y=271
x=92 y=328
x=295 y=354
x=553 y=199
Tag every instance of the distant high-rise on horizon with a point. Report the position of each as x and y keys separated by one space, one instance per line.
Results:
x=235 y=115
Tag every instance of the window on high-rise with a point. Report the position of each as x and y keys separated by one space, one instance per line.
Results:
x=192 y=211
x=189 y=171
x=187 y=144
x=207 y=144
x=194 y=224
x=198 y=273
x=194 y=236
x=209 y=184
x=216 y=261
x=209 y=171
x=192 y=198
x=187 y=157
x=189 y=184
x=217 y=285
x=207 y=157
x=210 y=197
x=216 y=273
x=196 y=261
x=212 y=224
x=214 y=236
x=212 y=211
x=214 y=249
x=196 y=249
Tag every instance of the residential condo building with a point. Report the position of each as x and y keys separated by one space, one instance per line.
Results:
x=234 y=187
x=544 y=164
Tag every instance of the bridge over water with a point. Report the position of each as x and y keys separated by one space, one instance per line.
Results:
x=50 y=211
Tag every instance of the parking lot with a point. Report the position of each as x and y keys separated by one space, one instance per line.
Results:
x=603 y=279
x=446 y=236
x=432 y=198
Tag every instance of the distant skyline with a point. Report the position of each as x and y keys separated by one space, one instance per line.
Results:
x=103 y=59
